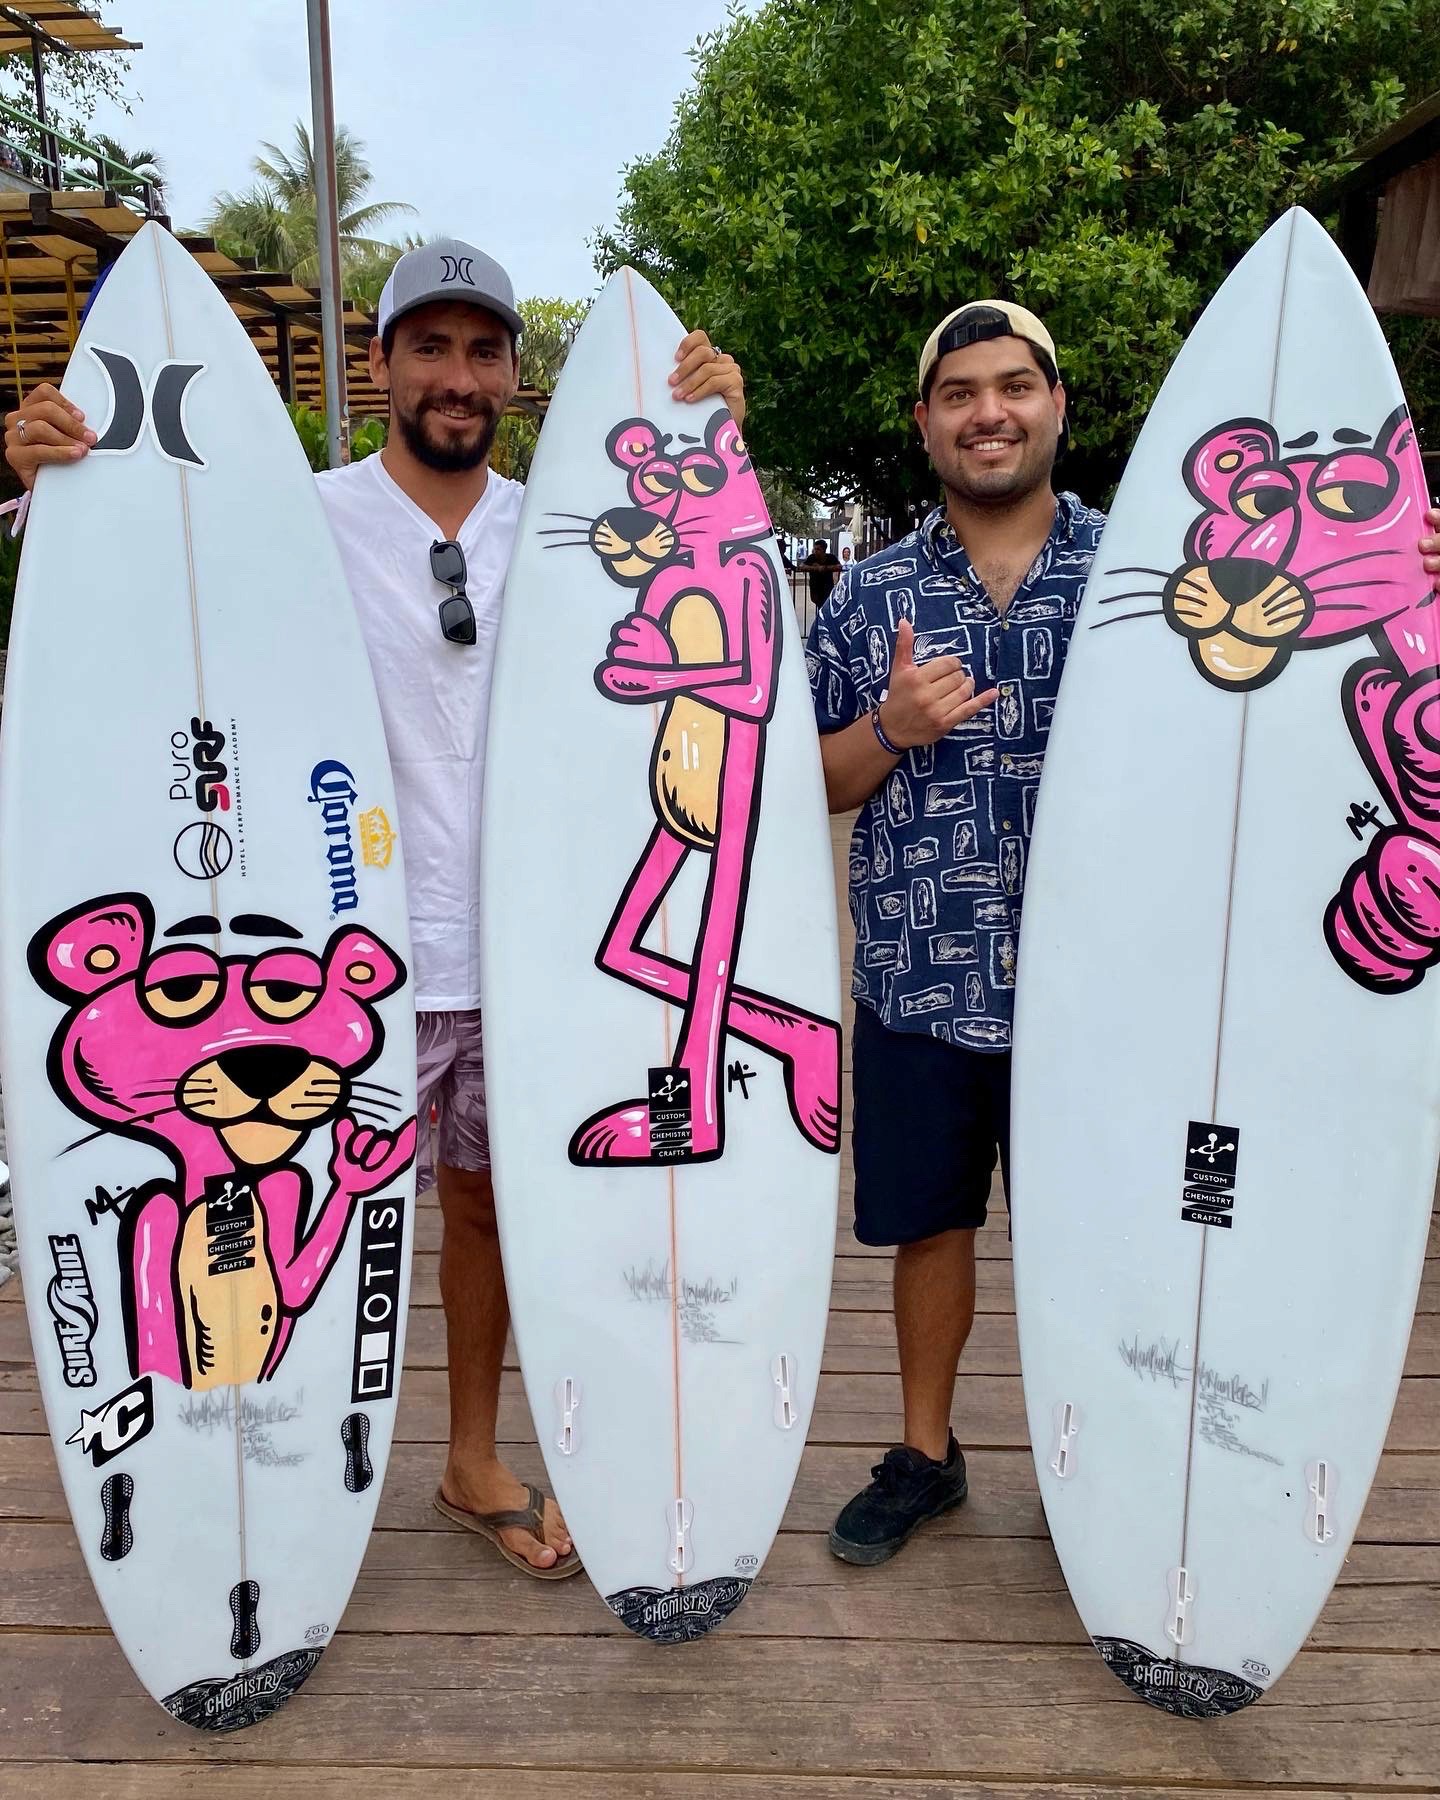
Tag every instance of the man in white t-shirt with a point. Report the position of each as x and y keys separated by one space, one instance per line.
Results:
x=425 y=531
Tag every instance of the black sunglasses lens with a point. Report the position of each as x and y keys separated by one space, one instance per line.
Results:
x=447 y=564
x=457 y=619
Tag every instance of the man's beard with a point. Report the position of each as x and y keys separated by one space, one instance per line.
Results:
x=997 y=487
x=454 y=458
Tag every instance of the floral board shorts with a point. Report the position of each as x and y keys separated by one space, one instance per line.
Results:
x=451 y=1079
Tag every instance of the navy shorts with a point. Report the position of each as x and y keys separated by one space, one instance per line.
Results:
x=930 y=1118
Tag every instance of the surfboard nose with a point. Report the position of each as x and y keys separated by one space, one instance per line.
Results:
x=263 y=1070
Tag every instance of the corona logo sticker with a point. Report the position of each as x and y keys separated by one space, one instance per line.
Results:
x=377 y=839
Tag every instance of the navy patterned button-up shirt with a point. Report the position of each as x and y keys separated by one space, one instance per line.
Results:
x=937 y=859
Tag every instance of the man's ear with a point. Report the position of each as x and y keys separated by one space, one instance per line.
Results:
x=922 y=419
x=379 y=367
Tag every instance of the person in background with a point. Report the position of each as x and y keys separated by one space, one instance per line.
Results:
x=823 y=569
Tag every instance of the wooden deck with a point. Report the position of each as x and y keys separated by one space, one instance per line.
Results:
x=960 y=1669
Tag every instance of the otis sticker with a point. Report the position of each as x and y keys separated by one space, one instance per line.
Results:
x=377 y=1299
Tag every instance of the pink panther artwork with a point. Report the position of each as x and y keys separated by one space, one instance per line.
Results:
x=228 y=1065
x=1295 y=548
x=701 y=646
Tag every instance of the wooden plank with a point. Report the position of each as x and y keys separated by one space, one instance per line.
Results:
x=747 y=1703
x=1003 y=1501
x=849 y=1409
x=855 y=1343
x=994 y=1591
x=1403 y=1508
x=861 y=1283
x=991 y=1244
x=144 y=1781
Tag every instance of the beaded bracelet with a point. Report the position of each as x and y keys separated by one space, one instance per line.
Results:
x=885 y=744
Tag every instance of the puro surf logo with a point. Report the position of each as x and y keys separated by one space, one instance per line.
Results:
x=199 y=777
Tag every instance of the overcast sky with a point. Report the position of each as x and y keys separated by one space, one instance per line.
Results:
x=507 y=125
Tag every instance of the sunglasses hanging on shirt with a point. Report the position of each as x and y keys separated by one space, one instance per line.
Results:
x=457 y=615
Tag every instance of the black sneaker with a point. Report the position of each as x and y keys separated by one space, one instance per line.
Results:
x=909 y=1488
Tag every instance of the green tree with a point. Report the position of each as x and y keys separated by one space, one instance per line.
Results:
x=275 y=219
x=844 y=171
x=790 y=511
x=74 y=86
x=550 y=328
x=366 y=437
x=143 y=163
x=368 y=271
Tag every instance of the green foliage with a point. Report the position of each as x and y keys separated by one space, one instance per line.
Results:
x=74 y=85
x=843 y=172
x=365 y=438
x=310 y=429
x=142 y=163
x=550 y=328
x=275 y=219
x=791 y=512
x=367 y=271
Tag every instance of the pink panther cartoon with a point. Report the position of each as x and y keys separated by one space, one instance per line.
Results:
x=702 y=645
x=1291 y=552
x=228 y=1065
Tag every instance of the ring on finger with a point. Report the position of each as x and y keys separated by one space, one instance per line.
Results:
x=20 y=431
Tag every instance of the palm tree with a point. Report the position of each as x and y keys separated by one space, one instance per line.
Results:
x=275 y=219
x=144 y=164
x=367 y=274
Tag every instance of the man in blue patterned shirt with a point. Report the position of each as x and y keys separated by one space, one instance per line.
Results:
x=934 y=668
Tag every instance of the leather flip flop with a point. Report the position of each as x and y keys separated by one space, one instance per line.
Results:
x=530 y=1517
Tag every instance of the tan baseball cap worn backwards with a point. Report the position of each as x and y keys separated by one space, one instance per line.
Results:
x=975 y=322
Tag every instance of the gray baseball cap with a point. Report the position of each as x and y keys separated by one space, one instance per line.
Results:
x=447 y=270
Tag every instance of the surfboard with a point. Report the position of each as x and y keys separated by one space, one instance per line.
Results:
x=1227 y=1053
x=205 y=1022
x=660 y=982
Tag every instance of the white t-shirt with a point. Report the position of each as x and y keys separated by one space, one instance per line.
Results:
x=434 y=699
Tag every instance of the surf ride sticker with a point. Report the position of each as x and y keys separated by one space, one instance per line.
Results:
x=1211 y=1152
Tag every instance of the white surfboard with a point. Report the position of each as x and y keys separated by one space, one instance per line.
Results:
x=660 y=983
x=1228 y=1030
x=205 y=1019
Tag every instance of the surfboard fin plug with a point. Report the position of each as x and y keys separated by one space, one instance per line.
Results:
x=681 y=1518
x=567 y=1398
x=1320 y=1479
x=782 y=1372
x=1062 y=1456
x=1179 y=1626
